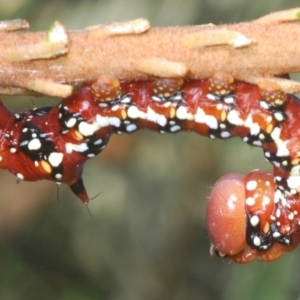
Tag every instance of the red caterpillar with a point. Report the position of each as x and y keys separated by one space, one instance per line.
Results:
x=54 y=143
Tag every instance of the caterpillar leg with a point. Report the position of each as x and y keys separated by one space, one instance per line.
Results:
x=79 y=190
x=247 y=221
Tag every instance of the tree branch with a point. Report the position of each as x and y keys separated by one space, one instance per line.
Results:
x=52 y=62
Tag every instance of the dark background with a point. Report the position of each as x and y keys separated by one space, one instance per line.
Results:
x=147 y=237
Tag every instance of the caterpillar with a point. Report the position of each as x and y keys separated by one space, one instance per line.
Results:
x=54 y=143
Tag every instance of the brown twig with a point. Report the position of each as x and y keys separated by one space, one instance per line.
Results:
x=51 y=62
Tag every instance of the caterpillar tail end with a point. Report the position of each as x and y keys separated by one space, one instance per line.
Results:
x=79 y=190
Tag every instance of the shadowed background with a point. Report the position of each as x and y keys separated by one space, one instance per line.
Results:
x=147 y=237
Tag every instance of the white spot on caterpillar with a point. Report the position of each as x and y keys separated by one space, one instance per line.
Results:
x=251 y=185
x=102 y=121
x=219 y=106
x=276 y=234
x=277 y=213
x=156 y=99
x=257 y=143
x=103 y=104
x=282 y=149
x=71 y=122
x=114 y=121
x=107 y=121
x=177 y=97
x=293 y=182
x=152 y=116
x=20 y=176
x=295 y=171
x=254 y=127
x=190 y=117
x=269 y=119
x=248 y=121
x=254 y=221
x=229 y=99
x=175 y=128
x=181 y=113
x=212 y=97
x=233 y=118
x=250 y=201
x=143 y=115
x=58 y=176
x=131 y=127
x=115 y=107
x=133 y=112
x=161 y=120
x=126 y=100
x=232 y=202
x=98 y=142
x=87 y=129
x=279 y=116
x=264 y=104
x=225 y=134
x=275 y=135
x=266 y=200
x=256 y=241
x=55 y=158
x=199 y=116
x=78 y=148
x=34 y=144
x=210 y=121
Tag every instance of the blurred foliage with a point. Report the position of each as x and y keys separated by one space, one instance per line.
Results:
x=146 y=238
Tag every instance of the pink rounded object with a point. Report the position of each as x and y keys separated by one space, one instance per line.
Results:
x=226 y=215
